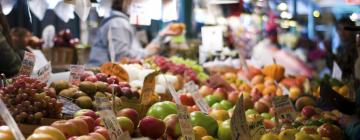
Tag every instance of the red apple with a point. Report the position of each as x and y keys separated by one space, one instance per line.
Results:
x=193 y=108
x=268 y=124
x=186 y=99
x=99 y=122
x=52 y=131
x=81 y=126
x=67 y=128
x=89 y=120
x=233 y=97
x=173 y=126
x=84 y=76
x=152 y=127
x=132 y=114
x=101 y=77
x=260 y=107
x=220 y=92
x=97 y=136
x=308 y=111
x=104 y=132
x=91 y=79
x=86 y=112
x=112 y=80
x=331 y=131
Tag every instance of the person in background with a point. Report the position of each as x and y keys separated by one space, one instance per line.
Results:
x=124 y=41
x=346 y=52
x=10 y=57
x=21 y=38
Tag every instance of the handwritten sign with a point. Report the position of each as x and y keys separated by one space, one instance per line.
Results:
x=75 y=73
x=183 y=114
x=28 y=64
x=257 y=128
x=44 y=73
x=199 y=100
x=239 y=125
x=148 y=90
x=9 y=121
x=69 y=107
x=283 y=108
x=107 y=115
x=336 y=72
x=185 y=122
x=116 y=70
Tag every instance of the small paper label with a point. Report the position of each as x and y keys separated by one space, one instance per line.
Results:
x=44 y=73
x=283 y=108
x=9 y=121
x=116 y=70
x=239 y=126
x=257 y=128
x=337 y=72
x=75 y=73
x=69 y=107
x=107 y=115
x=148 y=90
x=185 y=122
x=172 y=91
x=199 y=100
x=28 y=64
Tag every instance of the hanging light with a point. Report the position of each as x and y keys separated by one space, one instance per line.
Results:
x=316 y=13
x=282 y=6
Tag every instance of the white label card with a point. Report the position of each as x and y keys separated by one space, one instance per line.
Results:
x=44 y=73
x=185 y=122
x=10 y=122
x=199 y=100
x=283 y=108
x=75 y=73
x=108 y=116
x=336 y=72
x=28 y=64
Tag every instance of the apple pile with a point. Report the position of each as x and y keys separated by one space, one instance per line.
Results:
x=29 y=100
x=63 y=39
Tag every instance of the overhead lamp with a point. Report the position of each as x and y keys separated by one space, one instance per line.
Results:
x=282 y=6
x=354 y=17
x=285 y=15
x=316 y=13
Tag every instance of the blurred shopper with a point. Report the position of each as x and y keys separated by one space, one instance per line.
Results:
x=20 y=38
x=346 y=52
x=10 y=57
x=124 y=41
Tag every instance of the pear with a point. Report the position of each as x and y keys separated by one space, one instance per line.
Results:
x=315 y=136
x=302 y=136
x=288 y=134
x=269 y=136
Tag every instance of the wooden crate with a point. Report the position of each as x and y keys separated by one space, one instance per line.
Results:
x=61 y=57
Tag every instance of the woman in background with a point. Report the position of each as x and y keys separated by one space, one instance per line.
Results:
x=10 y=57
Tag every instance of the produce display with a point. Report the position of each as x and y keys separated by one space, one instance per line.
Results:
x=63 y=39
x=265 y=93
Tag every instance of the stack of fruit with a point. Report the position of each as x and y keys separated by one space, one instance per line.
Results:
x=63 y=39
x=100 y=85
x=29 y=100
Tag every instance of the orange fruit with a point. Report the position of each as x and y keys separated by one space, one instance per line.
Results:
x=199 y=132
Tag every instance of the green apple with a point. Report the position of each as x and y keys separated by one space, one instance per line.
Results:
x=224 y=132
x=288 y=134
x=226 y=104
x=162 y=109
x=266 y=116
x=250 y=111
x=200 y=119
x=269 y=136
x=126 y=124
x=217 y=106
x=212 y=99
x=273 y=119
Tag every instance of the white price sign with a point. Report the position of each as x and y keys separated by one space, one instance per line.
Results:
x=44 y=73
x=28 y=64
x=107 y=115
x=199 y=100
x=75 y=73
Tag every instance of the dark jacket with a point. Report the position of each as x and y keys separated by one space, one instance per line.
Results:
x=10 y=59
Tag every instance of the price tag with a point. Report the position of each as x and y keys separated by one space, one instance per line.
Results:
x=75 y=73
x=257 y=128
x=44 y=73
x=283 y=108
x=107 y=115
x=147 y=92
x=114 y=69
x=199 y=100
x=69 y=107
x=28 y=64
x=336 y=72
x=183 y=114
x=185 y=122
x=9 y=121
x=239 y=125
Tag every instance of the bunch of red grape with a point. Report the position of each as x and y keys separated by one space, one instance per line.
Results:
x=29 y=100
x=166 y=65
